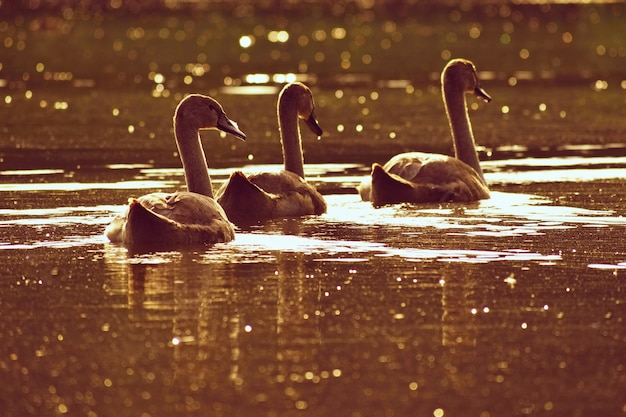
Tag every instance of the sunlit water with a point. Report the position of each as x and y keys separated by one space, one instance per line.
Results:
x=505 y=307
x=503 y=215
x=402 y=309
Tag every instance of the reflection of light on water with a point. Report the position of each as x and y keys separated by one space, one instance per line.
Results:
x=620 y=265
x=322 y=173
x=257 y=78
x=486 y=75
x=309 y=169
x=128 y=166
x=246 y=41
x=64 y=242
x=32 y=172
x=570 y=161
x=67 y=217
x=557 y=169
x=58 y=215
x=278 y=36
x=152 y=259
x=64 y=221
x=81 y=186
x=554 y=175
x=252 y=243
x=249 y=90
x=300 y=244
x=401 y=84
x=347 y=260
x=505 y=214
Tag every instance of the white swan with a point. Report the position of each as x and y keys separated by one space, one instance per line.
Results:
x=263 y=196
x=417 y=177
x=192 y=217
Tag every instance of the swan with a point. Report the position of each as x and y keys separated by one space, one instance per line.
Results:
x=263 y=196
x=182 y=218
x=416 y=177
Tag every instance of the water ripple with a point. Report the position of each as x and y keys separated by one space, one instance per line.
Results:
x=252 y=244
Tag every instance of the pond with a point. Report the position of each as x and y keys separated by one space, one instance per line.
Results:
x=507 y=306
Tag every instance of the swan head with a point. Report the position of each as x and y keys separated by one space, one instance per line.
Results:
x=203 y=112
x=300 y=96
x=460 y=75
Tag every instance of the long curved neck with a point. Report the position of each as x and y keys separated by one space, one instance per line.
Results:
x=290 y=136
x=193 y=159
x=462 y=135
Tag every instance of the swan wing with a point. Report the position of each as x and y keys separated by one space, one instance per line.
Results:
x=184 y=207
x=462 y=181
x=440 y=178
x=405 y=165
x=160 y=220
x=409 y=165
x=294 y=196
x=147 y=229
x=436 y=169
x=244 y=202
x=388 y=188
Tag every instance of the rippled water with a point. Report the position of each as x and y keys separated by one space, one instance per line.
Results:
x=509 y=306
x=504 y=307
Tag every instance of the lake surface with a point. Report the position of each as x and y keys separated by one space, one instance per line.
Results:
x=508 y=306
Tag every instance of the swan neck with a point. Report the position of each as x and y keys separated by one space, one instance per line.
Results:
x=193 y=160
x=290 y=136
x=461 y=127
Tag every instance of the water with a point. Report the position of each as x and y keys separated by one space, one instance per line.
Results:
x=508 y=306
x=490 y=307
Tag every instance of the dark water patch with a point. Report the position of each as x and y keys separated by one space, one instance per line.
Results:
x=361 y=125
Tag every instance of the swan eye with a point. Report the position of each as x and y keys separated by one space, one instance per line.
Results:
x=215 y=110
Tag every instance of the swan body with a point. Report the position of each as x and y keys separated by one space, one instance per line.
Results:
x=416 y=177
x=171 y=220
x=183 y=218
x=263 y=196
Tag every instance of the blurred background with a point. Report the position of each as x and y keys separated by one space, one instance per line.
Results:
x=105 y=76
x=504 y=307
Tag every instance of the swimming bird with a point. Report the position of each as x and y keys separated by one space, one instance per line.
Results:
x=183 y=218
x=259 y=197
x=417 y=177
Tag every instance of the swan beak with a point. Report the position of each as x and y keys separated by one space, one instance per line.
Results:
x=482 y=94
x=230 y=126
x=311 y=122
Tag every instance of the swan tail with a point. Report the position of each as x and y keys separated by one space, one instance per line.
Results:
x=147 y=230
x=292 y=195
x=391 y=189
x=244 y=202
x=143 y=226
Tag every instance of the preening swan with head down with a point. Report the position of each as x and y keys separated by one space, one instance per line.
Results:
x=183 y=218
x=417 y=177
x=263 y=196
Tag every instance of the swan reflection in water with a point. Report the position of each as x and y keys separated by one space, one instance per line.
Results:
x=210 y=317
x=295 y=295
x=265 y=328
